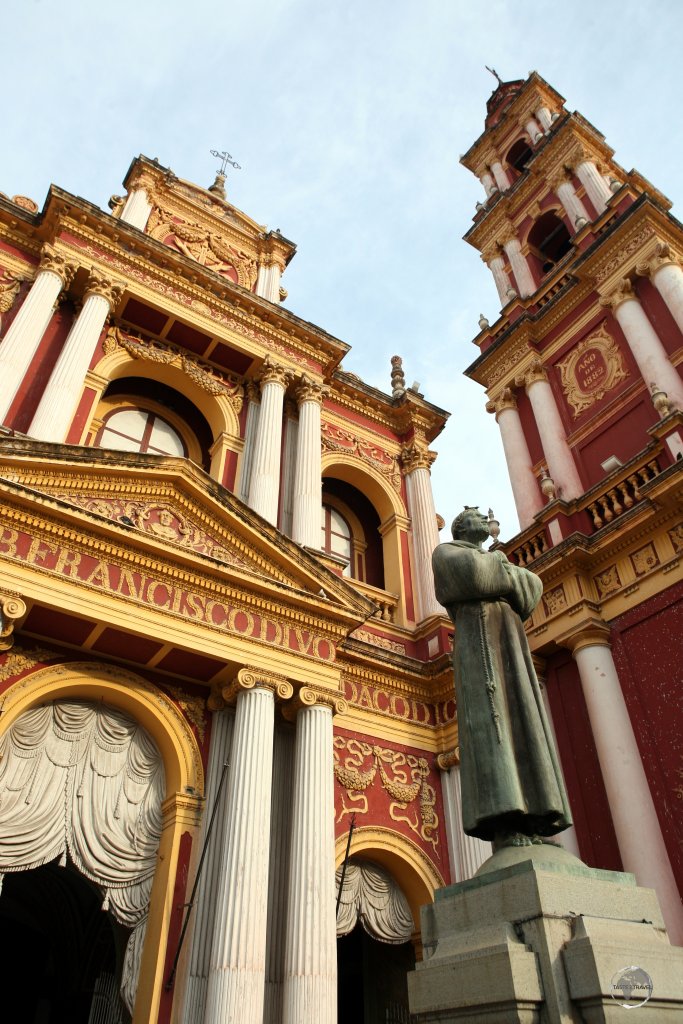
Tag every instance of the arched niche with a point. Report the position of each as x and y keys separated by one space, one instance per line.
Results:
x=549 y=240
x=403 y=859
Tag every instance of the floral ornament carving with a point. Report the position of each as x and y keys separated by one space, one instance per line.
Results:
x=608 y=581
x=9 y=289
x=19 y=659
x=644 y=560
x=192 y=707
x=555 y=600
x=594 y=367
x=676 y=537
x=157 y=352
x=98 y=284
x=402 y=776
x=336 y=439
x=25 y=203
x=633 y=245
x=204 y=246
x=160 y=521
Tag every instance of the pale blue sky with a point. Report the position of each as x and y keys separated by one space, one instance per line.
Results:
x=348 y=119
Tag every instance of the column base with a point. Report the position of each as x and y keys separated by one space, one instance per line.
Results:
x=537 y=937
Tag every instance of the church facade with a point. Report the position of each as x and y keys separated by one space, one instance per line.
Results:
x=583 y=371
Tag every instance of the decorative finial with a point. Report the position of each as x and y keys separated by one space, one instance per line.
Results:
x=548 y=485
x=494 y=527
x=398 y=377
x=494 y=73
x=483 y=322
x=661 y=401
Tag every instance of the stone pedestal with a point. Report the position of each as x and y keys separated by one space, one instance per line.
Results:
x=537 y=937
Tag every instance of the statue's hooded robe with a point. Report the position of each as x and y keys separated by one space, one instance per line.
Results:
x=509 y=772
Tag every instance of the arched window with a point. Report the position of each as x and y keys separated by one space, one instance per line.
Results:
x=549 y=240
x=139 y=430
x=337 y=538
x=519 y=155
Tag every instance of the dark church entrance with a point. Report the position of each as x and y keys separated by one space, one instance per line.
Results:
x=60 y=953
x=372 y=985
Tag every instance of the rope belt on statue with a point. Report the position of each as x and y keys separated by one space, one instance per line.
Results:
x=488 y=669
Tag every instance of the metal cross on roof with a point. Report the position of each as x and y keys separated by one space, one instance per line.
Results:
x=493 y=72
x=225 y=159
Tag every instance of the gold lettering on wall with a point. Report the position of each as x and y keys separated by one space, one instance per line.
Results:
x=591 y=369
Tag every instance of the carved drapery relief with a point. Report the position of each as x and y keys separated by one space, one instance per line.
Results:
x=591 y=369
x=336 y=439
x=198 y=242
x=150 y=351
x=370 y=895
x=403 y=777
x=85 y=782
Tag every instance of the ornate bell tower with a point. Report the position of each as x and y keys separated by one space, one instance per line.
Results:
x=583 y=371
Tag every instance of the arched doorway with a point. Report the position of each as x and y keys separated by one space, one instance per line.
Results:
x=374 y=948
x=60 y=954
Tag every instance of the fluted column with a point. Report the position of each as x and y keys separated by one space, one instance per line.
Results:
x=61 y=396
x=496 y=264
x=308 y=472
x=488 y=182
x=665 y=272
x=648 y=351
x=416 y=460
x=592 y=180
x=533 y=129
x=310 y=986
x=466 y=853
x=500 y=174
x=520 y=268
x=264 y=487
x=636 y=824
x=136 y=209
x=557 y=452
x=26 y=331
x=253 y=396
x=236 y=983
x=525 y=489
x=543 y=117
x=194 y=1002
x=573 y=207
x=268 y=279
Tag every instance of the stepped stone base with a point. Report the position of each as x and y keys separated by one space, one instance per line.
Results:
x=537 y=937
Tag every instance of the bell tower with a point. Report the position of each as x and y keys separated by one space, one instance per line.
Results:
x=583 y=372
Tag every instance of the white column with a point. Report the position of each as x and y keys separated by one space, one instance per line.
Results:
x=26 y=331
x=137 y=209
x=558 y=455
x=636 y=824
x=595 y=185
x=525 y=489
x=544 y=118
x=194 y=1002
x=533 y=130
x=278 y=875
x=648 y=351
x=489 y=184
x=520 y=268
x=500 y=174
x=308 y=472
x=574 y=208
x=264 y=486
x=235 y=993
x=416 y=460
x=466 y=853
x=496 y=265
x=61 y=396
x=310 y=987
x=268 y=280
x=253 y=395
x=666 y=274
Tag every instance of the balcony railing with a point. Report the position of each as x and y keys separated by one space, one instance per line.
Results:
x=386 y=602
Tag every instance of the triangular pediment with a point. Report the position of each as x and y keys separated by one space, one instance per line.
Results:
x=174 y=512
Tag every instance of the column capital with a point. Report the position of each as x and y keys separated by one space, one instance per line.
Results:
x=310 y=696
x=57 y=264
x=662 y=257
x=252 y=391
x=578 y=154
x=505 y=400
x=273 y=372
x=535 y=372
x=448 y=759
x=255 y=678
x=590 y=633
x=622 y=292
x=309 y=390
x=416 y=456
x=11 y=610
x=99 y=284
x=142 y=178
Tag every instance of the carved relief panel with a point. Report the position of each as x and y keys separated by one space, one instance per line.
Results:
x=594 y=367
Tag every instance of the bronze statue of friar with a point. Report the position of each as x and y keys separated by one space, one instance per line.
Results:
x=512 y=787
